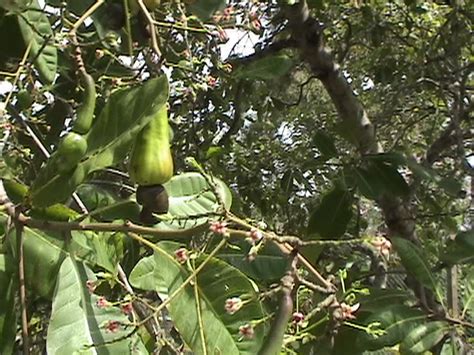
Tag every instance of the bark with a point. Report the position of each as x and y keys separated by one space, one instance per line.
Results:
x=308 y=34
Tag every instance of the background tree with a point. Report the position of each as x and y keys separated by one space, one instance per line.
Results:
x=322 y=189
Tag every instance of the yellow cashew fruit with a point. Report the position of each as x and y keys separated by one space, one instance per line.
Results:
x=151 y=162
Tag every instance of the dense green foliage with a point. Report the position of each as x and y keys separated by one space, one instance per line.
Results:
x=322 y=194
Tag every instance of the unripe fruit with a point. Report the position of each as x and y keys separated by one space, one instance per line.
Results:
x=85 y=112
x=70 y=152
x=151 y=162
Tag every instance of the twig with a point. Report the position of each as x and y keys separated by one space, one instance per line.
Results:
x=128 y=27
x=285 y=248
x=154 y=41
x=21 y=289
x=85 y=15
x=138 y=307
x=18 y=72
x=127 y=227
x=199 y=317
x=274 y=339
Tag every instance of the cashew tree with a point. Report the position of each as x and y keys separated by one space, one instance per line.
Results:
x=236 y=177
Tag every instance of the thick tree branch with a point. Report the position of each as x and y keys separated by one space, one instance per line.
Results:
x=307 y=31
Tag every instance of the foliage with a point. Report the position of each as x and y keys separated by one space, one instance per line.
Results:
x=322 y=182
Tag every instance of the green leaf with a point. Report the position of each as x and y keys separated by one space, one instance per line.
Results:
x=204 y=9
x=143 y=276
x=330 y=219
x=468 y=296
x=217 y=282
x=269 y=266
x=190 y=195
x=8 y=315
x=424 y=337
x=104 y=205
x=460 y=250
x=325 y=144
x=213 y=152
x=36 y=29
x=102 y=249
x=78 y=324
x=125 y=114
x=416 y=264
x=396 y=320
x=451 y=186
x=43 y=253
x=380 y=178
x=379 y=298
x=269 y=67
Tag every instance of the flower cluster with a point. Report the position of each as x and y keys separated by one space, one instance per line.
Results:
x=233 y=304
x=219 y=228
x=112 y=326
x=254 y=236
x=225 y=16
x=246 y=331
x=127 y=308
x=102 y=302
x=382 y=245
x=181 y=255
x=297 y=318
x=345 y=312
x=91 y=286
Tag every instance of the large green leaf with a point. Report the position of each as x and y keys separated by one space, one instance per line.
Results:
x=78 y=324
x=7 y=305
x=36 y=29
x=380 y=298
x=396 y=320
x=269 y=266
x=106 y=205
x=416 y=264
x=143 y=276
x=189 y=196
x=43 y=253
x=269 y=67
x=424 y=337
x=330 y=219
x=380 y=178
x=125 y=114
x=216 y=282
x=102 y=249
x=325 y=144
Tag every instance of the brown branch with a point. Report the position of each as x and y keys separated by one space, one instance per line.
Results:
x=274 y=340
x=21 y=287
x=126 y=227
x=270 y=49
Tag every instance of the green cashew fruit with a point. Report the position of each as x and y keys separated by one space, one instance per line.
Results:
x=85 y=112
x=70 y=151
x=25 y=100
x=151 y=162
